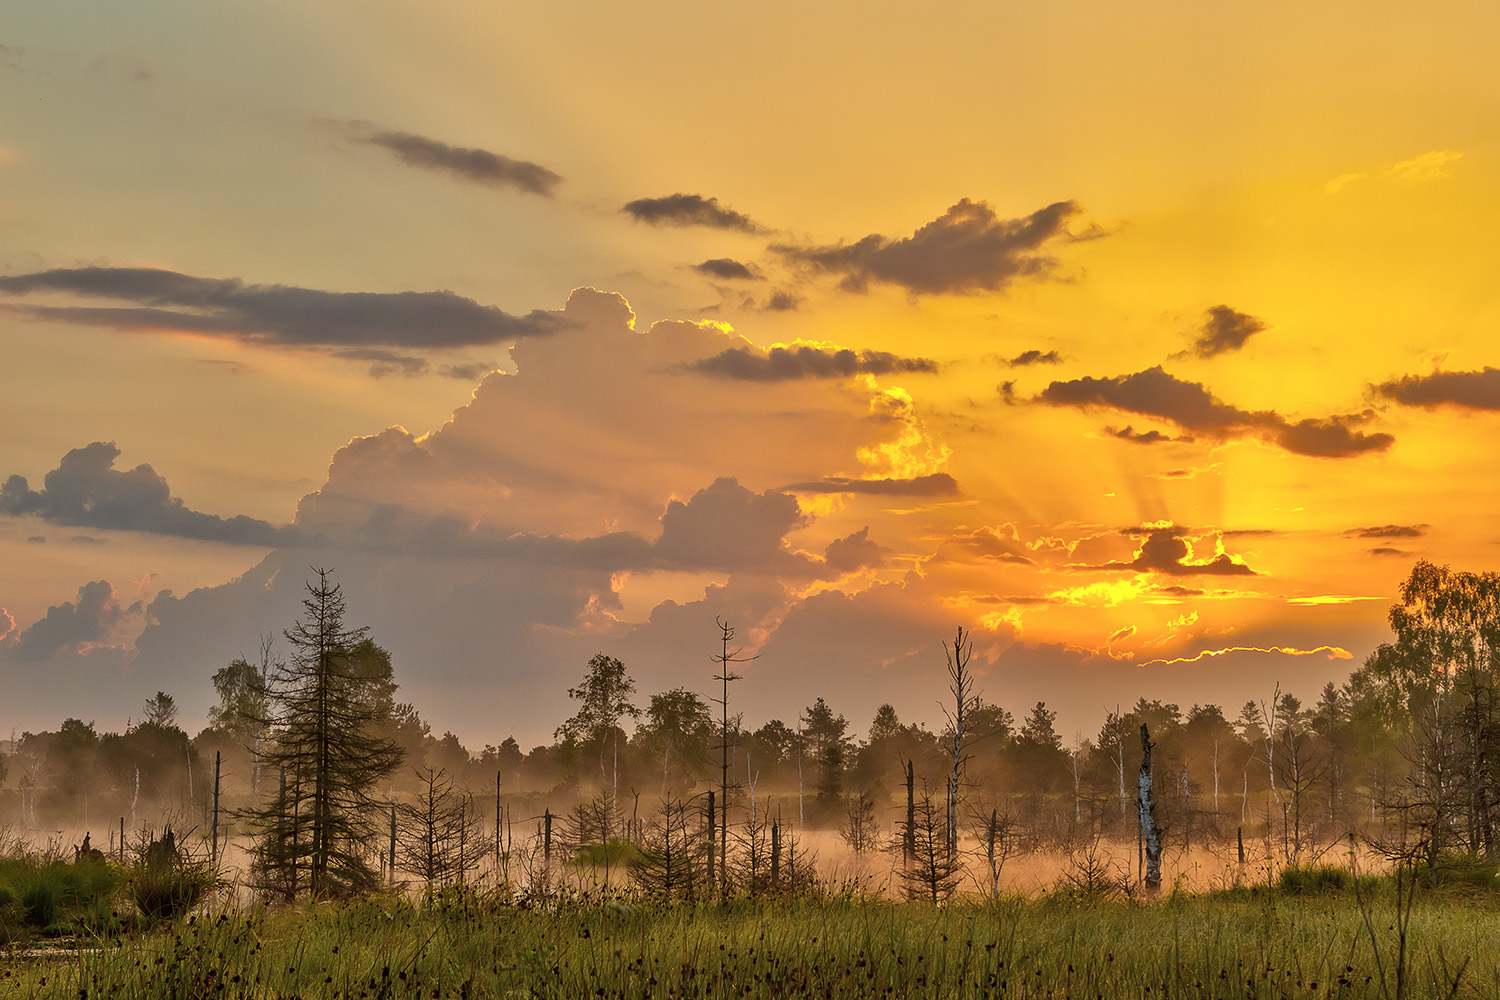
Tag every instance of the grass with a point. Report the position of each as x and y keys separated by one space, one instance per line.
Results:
x=470 y=945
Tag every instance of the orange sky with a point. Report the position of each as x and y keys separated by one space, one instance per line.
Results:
x=1151 y=343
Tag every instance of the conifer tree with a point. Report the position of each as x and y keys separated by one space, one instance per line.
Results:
x=328 y=704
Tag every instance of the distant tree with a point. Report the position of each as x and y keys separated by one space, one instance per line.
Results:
x=826 y=748
x=604 y=697
x=677 y=731
x=328 y=704
x=161 y=710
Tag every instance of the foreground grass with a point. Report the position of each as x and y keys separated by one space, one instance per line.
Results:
x=1248 y=946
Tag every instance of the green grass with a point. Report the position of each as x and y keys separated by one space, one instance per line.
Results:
x=464 y=944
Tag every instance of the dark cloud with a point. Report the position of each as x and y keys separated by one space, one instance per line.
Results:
x=272 y=314
x=1189 y=405
x=1129 y=433
x=1166 y=550
x=1470 y=390
x=477 y=165
x=1176 y=591
x=728 y=527
x=86 y=490
x=69 y=625
x=780 y=364
x=939 y=484
x=1382 y=550
x=967 y=250
x=1331 y=437
x=781 y=302
x=727 y=269
x=1389 y=531
x=1035 y=357
x=1224 y=330
x=688 y=210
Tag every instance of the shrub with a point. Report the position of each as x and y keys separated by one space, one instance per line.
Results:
x=1299 y=879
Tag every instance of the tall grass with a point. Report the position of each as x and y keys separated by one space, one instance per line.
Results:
x=467 y=944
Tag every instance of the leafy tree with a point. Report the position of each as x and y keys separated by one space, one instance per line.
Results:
x=604 y=698
x=328 y=704
x=678 y=731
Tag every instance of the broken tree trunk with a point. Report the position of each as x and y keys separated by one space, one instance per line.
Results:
x=1150 y=832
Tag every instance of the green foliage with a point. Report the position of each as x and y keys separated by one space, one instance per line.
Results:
x=1298 y=879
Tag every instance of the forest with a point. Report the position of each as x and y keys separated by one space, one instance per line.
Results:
x=336 y=786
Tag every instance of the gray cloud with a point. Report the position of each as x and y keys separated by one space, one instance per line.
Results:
x=86 y=490
x=939 y=484
x=70 y=625
x=967 y=250
x=727 y=269
x=780 y=364
x=1035 y=357
x=477 y=165
x=272 y=314
x=1189 y=405
x=1385 y=550
x=689 y=210
x=1476 y=390
x=1224 y=330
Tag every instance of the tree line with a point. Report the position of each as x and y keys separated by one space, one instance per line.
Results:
x=339 y=786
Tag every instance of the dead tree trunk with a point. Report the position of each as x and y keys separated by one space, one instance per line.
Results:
x=1150 y=832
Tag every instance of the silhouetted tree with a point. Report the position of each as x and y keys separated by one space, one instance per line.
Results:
x=328 y=704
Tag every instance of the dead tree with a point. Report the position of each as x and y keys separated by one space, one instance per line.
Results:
x=726 y=660
x=1150 y=831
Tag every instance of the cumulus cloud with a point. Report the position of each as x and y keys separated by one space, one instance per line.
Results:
x=1166 y=550
x=799 y=361
x=279 y=315
x=1034 y=357
x=727 y=269
x=69 y=625
x=967 y=250
x=728 y=527
x=1474 y=390
x=1225 y=330
x=86 y=490
x=479 y=166
x=689 y=210
x=1190 y=405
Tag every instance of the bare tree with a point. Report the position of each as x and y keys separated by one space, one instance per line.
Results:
x=726 y=658
x=965 y=701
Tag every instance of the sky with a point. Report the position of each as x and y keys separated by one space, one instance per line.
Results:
x=1150 y=344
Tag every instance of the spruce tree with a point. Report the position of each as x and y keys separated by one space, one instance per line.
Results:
x=328 y=707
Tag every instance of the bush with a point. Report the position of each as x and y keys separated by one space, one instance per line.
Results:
x=42 y=902
x=162 y=892
x=1466 y=872
x=1299 y=879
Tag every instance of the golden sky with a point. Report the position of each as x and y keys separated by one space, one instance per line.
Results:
x=1152 y=342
